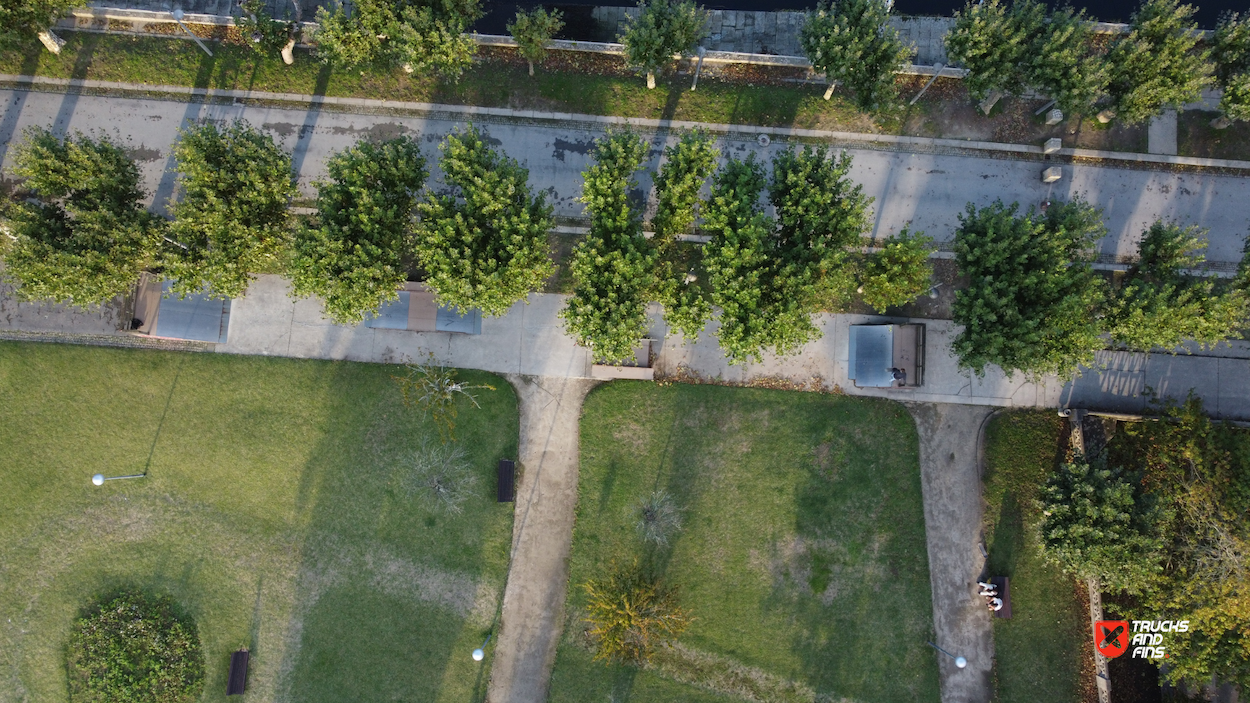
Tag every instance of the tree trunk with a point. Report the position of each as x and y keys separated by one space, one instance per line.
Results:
x=650 y=80
x=531 y=63
x=829 y=91
x=288 y=52
x=990 y=101
x=51 y=42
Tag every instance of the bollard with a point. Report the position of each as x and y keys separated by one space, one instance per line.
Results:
x=1052 y=145
x=51 y=42
x=1106 y=116
x=288 y=53
x=1054 y=117
x=1052 y=174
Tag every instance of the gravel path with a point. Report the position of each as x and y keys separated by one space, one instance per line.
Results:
x=950 y=475
x=542 y=535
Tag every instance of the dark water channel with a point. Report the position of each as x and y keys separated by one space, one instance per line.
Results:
x=581 y=27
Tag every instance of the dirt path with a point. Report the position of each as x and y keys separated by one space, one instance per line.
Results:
x=950 y=440
x=542 y=535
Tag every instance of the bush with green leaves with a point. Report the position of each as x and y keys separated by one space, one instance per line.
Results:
x=87 y=238
x=993 y=41
x=662 y=28
x=21 y=20
x=1064 y=64
x=438 y=475
x=1158 y=63
x=130 y=646
x=484 y=245
x=261 y=32
x=533 y=31
x=1230 y=53
x=353 y=255
x=614 y=267
x=423 y=36
x=1033 y=297
x=687 y=166
x=1097 y=523
x=658 y=518
x=631 y=612
x=433 y=390
x=232 y=219
x=852 y=43
x=760 y=308
x=898 y=273
x=1160 y=304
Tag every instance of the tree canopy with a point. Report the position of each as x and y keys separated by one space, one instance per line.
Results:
x=993 y=42
x=353 y=257
x=687 y=166
x=232 y=219
x=21 y=20
x=1098 y=523
x=1158 y=63
x=1033 y=296
x=1230 y=53
x=614 y=267
x=852 y=43
x=898 y=273
x=484 y=245
x=87 y=238
x=1160 y=304
x=533 y=31
x=663 y=28
x=1063 y=63
x=423 y=36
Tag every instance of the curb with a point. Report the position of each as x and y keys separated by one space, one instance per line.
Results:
x=889 y=141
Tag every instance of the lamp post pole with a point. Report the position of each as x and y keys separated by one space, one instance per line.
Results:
x=959 y=661
x=99 y=479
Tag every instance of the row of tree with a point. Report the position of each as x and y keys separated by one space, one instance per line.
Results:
x=1035 y=303
x=85 y=237
x=768 y=275
x=1162 y=61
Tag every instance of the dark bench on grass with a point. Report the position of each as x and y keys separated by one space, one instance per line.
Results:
x=1004 y=592
x=237 y=681
x=506 y=491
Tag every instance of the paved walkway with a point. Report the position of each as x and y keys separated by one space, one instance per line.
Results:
x=923 y=191
x=950 y=478
x=542 y=537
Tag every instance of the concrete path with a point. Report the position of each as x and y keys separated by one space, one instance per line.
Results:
x=542 y=536
x=950 y=477
x=1161 y=134
x=923 y=191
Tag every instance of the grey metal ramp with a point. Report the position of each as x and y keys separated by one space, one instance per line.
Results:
x=195 y=317
x=871 y=356
x=392 y=315
x=449 y=320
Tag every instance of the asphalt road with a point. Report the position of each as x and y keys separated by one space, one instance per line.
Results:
x=922 y=191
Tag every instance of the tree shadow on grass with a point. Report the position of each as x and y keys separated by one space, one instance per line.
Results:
x=1008 y=540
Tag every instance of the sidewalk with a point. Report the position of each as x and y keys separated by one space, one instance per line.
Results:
x=924 y=184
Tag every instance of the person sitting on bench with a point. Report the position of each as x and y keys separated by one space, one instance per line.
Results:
x=988 y=589
x=996 y=604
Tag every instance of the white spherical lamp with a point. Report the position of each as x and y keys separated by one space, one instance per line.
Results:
x=961 y=662
x=98 y=479
x=478 y=655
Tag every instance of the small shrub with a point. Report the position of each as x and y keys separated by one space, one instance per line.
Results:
x=631 y=613
x=898 y=273
x=440 y=476
x=658 y=518
x=433 y=390
x=134 y=647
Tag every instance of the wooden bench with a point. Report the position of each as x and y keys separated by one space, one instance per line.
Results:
x=236 y=683
x=1004 y=592
x=506 y=491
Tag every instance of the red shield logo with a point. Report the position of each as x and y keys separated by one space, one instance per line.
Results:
x=1111 y=637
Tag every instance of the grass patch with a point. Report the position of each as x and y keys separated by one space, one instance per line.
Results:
x=1038 y=653
x=801 y=554
x=275 y=511
x=579 y=83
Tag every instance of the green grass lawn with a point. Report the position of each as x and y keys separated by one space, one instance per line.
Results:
x=802 y=551
x=279 y=510
x=491 y=83
x=1039 y=651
